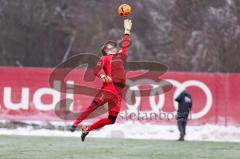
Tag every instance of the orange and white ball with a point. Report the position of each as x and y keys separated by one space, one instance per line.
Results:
x=124 y=10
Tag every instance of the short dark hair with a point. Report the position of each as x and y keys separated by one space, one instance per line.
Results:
x=109 y=42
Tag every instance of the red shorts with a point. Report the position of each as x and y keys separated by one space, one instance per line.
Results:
x=112 y=95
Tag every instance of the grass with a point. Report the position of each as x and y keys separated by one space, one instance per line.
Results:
x=25 y=147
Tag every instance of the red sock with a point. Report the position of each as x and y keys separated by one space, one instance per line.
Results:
x=84 y=114
x=81 y=117
x=100 y=123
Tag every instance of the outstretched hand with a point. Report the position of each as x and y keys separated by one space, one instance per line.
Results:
x=127 y=26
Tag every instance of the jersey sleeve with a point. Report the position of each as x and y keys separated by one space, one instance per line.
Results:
x=126 y=43
x=190 y=104
x=99 y=67
x=179 y=97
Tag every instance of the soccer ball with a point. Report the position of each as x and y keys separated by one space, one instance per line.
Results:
x=124 y=10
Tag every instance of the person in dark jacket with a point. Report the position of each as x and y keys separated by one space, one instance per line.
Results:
x=184 y=100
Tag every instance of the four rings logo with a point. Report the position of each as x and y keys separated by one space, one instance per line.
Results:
x=133 y=108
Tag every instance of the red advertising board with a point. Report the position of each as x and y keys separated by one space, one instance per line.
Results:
x=25 y=94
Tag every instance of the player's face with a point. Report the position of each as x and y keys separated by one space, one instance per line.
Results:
x=110 y=49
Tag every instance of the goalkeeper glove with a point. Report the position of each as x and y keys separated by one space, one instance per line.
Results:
x=105 y=78
x=127 y=26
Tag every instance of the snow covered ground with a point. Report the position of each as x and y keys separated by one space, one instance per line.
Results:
x=135 y=130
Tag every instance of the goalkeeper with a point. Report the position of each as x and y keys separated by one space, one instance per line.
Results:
x=110 y=69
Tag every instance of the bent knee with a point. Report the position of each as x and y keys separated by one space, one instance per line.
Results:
x=112 y=119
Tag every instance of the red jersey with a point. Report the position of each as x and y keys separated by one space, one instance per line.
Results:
x=113 y=65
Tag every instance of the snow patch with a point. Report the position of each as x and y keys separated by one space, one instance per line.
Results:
x=135 y=130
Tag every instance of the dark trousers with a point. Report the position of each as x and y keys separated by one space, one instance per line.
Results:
x=182 y=123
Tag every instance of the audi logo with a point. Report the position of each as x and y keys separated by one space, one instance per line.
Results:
x=156 y=107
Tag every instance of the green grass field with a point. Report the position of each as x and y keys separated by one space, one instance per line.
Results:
x=19 y=147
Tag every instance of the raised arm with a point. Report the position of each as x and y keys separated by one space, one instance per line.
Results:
x=126 y=37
